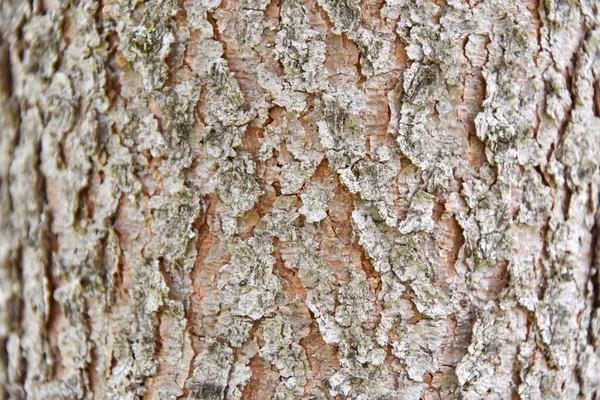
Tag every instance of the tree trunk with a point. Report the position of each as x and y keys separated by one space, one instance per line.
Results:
x=299 y=199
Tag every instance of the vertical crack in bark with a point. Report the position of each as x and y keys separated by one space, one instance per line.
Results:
x=594 y=279
x=17 y=315
x=6 y=74
x=596 y=105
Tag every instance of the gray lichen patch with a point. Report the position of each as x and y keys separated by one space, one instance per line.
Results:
x=285 y=355
x=146 y=39
x=340 y=130
x=225 y=97
x=344 y=14
x=174 y=216
x=536 y=203
x=420 y=212
x=482 y=371
x=280 y=91
x=282 y=220
x=375 y=48
x=220 y=141
x=315 y=200
x=486 y=229
x=418 y=347
x=247 y=284
x=373 y=181
x=408 y=260
x=203 y=55
x=317 y=276
x=211 y=371
x=293 y=176
x=235 y=183
x=234 y=329
x=376 y=239
x=355 y=306
x=300 y=49
x=42 y=34
x=298 y=153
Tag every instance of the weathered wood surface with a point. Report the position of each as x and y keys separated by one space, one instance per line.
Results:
x=254 y=199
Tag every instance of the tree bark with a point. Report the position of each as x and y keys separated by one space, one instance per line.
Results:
x=287 y=199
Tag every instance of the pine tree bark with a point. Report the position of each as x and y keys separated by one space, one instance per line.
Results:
x=286 y=199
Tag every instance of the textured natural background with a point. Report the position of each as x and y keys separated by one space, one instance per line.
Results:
x=286 y=199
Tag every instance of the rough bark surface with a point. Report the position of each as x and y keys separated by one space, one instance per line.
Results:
x=286 y=199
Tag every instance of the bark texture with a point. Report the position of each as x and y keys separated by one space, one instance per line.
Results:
x=287 y=199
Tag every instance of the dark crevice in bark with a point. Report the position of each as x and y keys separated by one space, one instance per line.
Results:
x=4 y=362
x=596 y=103
x=543 y=175
x=112 y=85
x=375 y=285
x=89 y=371
x=19 y=313
x=13 y=266
x=517 y=365
x=216 y=33
x=158 y=340
x=48 y=241
x=540 y=270
x=594 y=277
x=85 y=206
x=118 y=278
x=568 y=119
x=12 y=106
x=6 y=77
x=193 y=320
